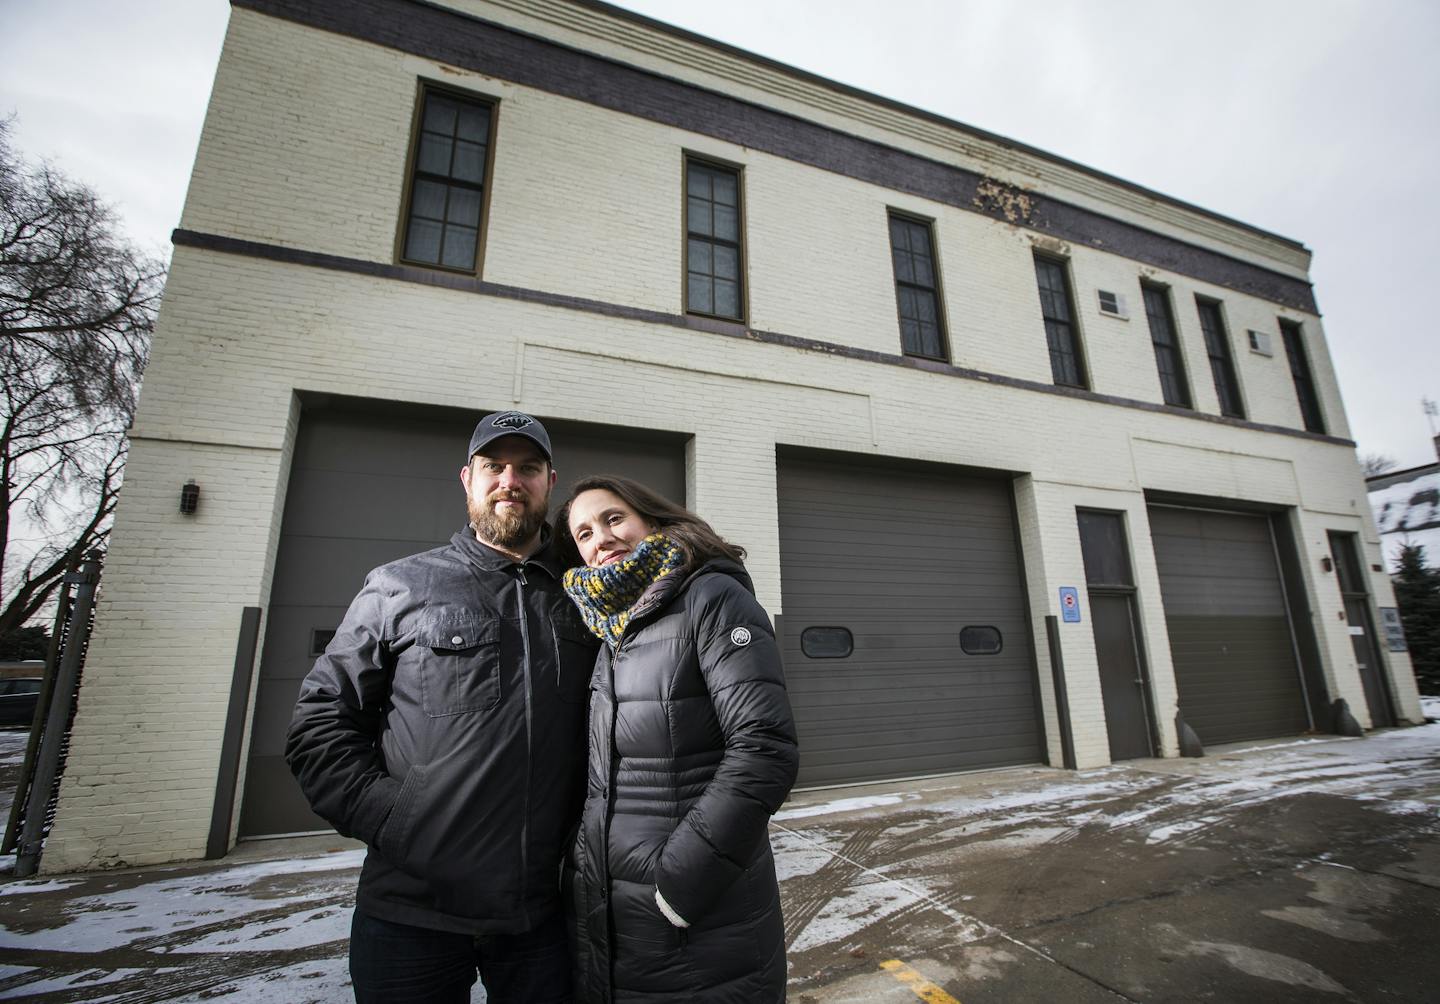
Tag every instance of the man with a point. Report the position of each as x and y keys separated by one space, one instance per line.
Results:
x=444 y=726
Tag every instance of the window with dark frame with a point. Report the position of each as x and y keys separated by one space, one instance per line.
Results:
x=827 y=642
x=1222 y=364
x=981 y=639
x=1305 y=391
x=447 y=181
x=1168 y=361
x=917 y=287
x=1058 y=308
x=712 y=241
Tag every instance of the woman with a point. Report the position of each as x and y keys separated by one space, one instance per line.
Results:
x=692 y=747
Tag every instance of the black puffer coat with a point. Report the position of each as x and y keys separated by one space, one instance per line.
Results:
x=692 y=748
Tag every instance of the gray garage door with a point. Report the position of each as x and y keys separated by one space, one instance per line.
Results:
x=898 y=563
x=1229 y=630
x=371 y=482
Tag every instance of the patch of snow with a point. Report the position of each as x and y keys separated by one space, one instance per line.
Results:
x=1295 y=742
x=795 y=856
x=1164 y=833
x=177 y=903
x=304 y=983
x=849 y=912
x=85 y=978
x=298 y=930
x=842 y=805
x=28 y=886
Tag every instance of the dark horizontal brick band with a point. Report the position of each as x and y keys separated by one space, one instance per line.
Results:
x=459 y=39
x=470 y=284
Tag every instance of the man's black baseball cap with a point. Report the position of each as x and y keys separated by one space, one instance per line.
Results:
x=509 y=423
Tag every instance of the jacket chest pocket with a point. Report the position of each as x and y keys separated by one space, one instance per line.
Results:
x=460 y=670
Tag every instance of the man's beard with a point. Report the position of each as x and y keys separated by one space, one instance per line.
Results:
x=512 y=527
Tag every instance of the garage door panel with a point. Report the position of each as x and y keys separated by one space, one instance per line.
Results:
x=331 y=570
x=903 y=559
x=388 y=504
x=1230 y=636
x=289 y=631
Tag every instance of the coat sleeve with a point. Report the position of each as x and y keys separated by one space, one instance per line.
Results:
x=718 y=836
x=332 y=745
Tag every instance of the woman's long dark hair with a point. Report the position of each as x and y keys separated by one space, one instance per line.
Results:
x=695 y=537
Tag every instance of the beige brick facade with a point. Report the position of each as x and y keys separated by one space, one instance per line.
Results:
x=305 y=147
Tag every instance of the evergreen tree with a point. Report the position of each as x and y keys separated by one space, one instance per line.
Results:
x=1417 y=594
x=24 y=643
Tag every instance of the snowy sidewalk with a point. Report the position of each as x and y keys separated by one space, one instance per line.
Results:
x=1288 y=871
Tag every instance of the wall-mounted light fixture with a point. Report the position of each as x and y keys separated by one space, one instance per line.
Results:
x=189 y=498
x=1326 y=564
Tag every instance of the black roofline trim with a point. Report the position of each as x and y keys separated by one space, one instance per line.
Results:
x=471 y=284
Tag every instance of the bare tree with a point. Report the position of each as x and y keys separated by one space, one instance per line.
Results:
x=77 y=307
x=1376 y=463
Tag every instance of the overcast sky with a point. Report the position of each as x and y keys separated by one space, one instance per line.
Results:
x=1316 y=119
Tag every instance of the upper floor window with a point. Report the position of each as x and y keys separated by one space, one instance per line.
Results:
x=1167 y=346
x=713 y=265
x=1222 y=364
x=1067 y=365
x=1300 y=373
x=917 y=287
x=446 y=199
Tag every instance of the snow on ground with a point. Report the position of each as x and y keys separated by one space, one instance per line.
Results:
x=216 y=907
x=276 y=930
x=841 y=805
x=1157 y=802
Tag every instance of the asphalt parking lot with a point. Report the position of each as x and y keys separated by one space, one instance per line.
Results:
x=1291 y=871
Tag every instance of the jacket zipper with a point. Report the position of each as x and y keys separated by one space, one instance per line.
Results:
x=529 y=745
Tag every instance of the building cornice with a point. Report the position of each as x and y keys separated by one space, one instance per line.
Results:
x=457 y=38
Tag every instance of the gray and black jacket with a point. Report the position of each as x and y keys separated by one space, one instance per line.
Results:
x=444 y=727
x=692 y=747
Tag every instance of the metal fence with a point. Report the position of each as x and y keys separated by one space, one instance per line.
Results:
x=38 y=786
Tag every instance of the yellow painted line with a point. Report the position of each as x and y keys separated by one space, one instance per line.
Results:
x=918 y=984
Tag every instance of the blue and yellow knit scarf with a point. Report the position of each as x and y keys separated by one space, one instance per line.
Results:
x=605 y=595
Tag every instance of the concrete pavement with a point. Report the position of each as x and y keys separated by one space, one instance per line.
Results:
x=1293 y=871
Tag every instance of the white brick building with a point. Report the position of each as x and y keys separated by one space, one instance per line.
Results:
x=1104 y=365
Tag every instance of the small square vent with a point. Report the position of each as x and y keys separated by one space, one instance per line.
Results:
x=1112 y=304
x=1260 y=343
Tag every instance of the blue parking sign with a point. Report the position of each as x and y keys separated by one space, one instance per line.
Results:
x=1070 y=604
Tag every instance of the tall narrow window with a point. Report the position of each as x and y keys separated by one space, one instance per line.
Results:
x=917 y=287
x=1222 y=365
x=1167 y=346
x=712 y=240
x=1300 y=372
x=447 y=182
x=1057 y=306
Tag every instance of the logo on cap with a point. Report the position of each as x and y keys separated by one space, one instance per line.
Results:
x=740 y=636
x=513 y=420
